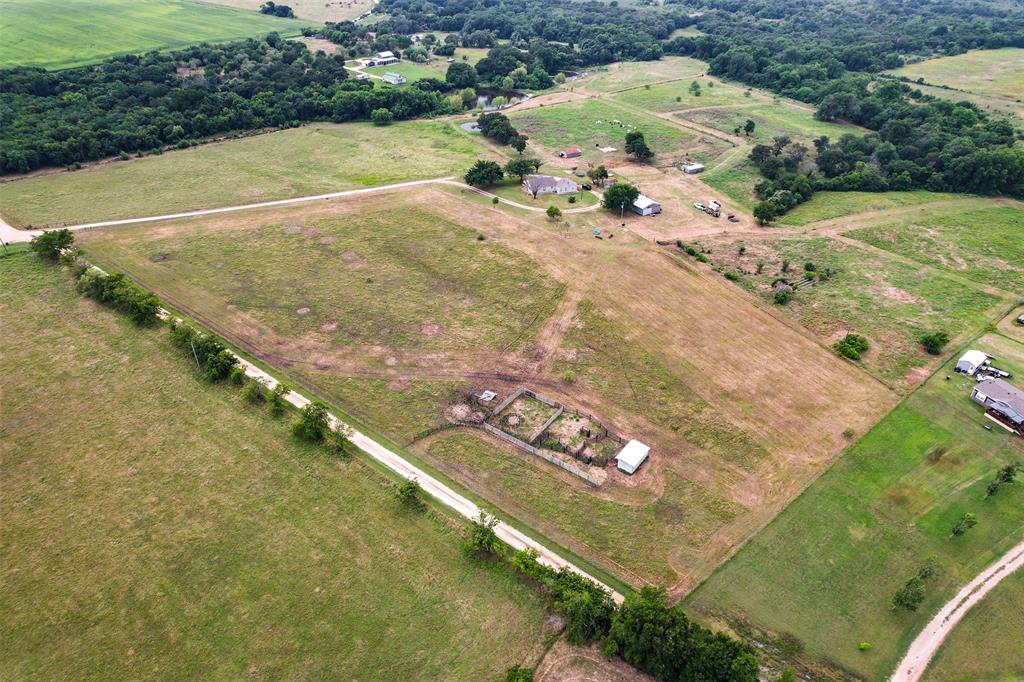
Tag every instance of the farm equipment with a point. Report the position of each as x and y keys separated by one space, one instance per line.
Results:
x=990 y=371
x=699 y=206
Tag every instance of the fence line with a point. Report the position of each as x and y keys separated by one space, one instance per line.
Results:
x=571 y=468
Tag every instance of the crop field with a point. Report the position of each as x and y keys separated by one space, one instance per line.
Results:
x=986 y=643
x=625 y=75
x=870 y=523
x=588 y=124
x=889 y=301
x=828 y=205
x=984 y=72
x=393 y=305
x=316 y=10
x=58 y=35
x=197 y=538
x=985 y=245
x=314 y=159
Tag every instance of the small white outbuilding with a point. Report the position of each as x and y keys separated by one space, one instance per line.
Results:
x=971 y=361
x=632 y=456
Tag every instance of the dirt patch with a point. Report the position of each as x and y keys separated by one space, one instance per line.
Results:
x=327 y=240
x=311 y=232
x=157 y=257
x=430 y=329
x=302 y=312
x=897 y=294
x=353 y=260
x=391 y=361
x=293 y=228
x=329 y=327
x=399 y=384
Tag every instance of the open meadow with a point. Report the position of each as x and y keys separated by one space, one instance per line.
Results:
x=626 y=75
x=997 y=73
x=58 y=35
x=313 y=159
x=171 y=529
x=985 y=244
x=829 y=205
x=316 y=10
x=870 y=523
x=395 y=306
x=890 y=301
x=986 y=643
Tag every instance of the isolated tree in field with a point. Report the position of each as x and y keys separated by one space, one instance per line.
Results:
x=852 y=346
x=518 y=143
x=313 y=424
x=636 y=146
x=482 y=538
x=382 y=117
x=461 y=75
x=520 y=167
x=1005 y=475
x=695 y=88
x=484 y=174
x=909 y=596
x=554 y=213
x=934 y=342
x=749 y=127
x=966 y=522
x=49 y=244
x=620 y=197
x=409 y=494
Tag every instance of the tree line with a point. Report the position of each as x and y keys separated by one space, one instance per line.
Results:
x=141 y=103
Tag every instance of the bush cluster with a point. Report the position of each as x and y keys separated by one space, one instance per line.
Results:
x=115 y=290
x=212 y=358
x=852 y=346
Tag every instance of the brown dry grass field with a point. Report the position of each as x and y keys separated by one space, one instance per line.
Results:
x=391 y=305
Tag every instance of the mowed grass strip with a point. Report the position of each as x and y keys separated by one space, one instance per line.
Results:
x=828 y=205
x=623 y=75
x=58 y=35
x=677 y=96
x=171 y=529
x=314 y=159
x=771 y=119
x=824 y=571
x=383 y=273
x=985 y=245
x=986 y=644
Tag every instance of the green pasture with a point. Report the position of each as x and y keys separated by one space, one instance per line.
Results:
x=771 y=120
x=677 y=96
x=827 y=205
x=983 y=244
x=173 y=530
x=818 y=581
x=310 y=160
x=58 y=35
x=998 y=73
x=624 y=75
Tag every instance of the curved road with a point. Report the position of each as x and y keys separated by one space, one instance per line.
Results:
x=924 y=646
x=12 y=235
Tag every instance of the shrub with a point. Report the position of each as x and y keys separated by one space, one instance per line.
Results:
x=517 y=673
x=864 y=646
x=570 y=377
x=237 y=376
x=852 y=346
x=409 y=494
x=934 y=342
x=732 y=276
x=482 y=538
x=254 y=391
x=494 y=200
x=554 y=213
x=810 y=267
x=115 y=290
x=49 y=245
x=966 y=522
x=313 y=425
x=338 y=441
x=382 y=117
x=276 y=399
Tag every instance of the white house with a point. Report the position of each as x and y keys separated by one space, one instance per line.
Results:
x=971 y=362
x=1002 y=402
x=645 y=205
x=382 y=59
x=632 y=456
x=392 y=78
x=692 y=168
x=363 y=77
x=535 y=185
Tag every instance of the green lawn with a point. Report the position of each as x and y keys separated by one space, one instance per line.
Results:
x=985 y=72
x=58 y=35
x=826 y=205
x=314 y=159
x=735 y=179
x=411 y=70
x=588 y=124
x=889 y=301
x=173 y=531
x=512 y=190
x=986 y=643
x=986 y=244
x=819 y=579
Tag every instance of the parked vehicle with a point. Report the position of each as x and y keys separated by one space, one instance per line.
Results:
x=733 y=219
x=699 y=206
x=714 y=205
x=587 y=188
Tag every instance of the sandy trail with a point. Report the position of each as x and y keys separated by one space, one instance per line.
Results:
x=924 y=646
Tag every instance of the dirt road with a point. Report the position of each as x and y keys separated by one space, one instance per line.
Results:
x=924 y=646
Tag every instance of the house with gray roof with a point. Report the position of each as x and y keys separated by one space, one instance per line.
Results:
x=535 y=185
x=1002 y=402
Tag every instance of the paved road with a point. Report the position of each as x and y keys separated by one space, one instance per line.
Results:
x=12 y=235
x=924 y=646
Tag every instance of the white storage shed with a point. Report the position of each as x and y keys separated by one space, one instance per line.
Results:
x=632 y=456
